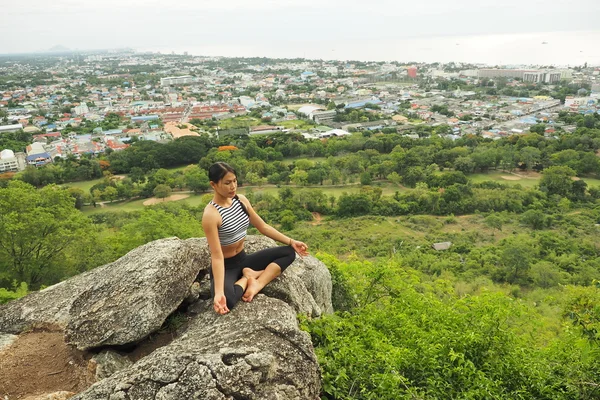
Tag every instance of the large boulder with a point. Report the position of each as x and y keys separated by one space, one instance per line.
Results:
x=118 y=303
x=256 y=352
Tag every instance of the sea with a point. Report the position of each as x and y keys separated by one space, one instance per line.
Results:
x=559 y=49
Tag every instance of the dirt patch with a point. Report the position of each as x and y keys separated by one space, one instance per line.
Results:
x=316 y=218
x=510 y=178
x=173 y=197
x=576 y=178
x=529 y=174
x=41 y=362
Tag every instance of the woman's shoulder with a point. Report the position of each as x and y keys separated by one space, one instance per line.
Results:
x=210 y=212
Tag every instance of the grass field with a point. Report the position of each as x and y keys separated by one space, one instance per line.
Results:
x=295 y=124
x=239 y=122
x=84 y=185
x=503 y=177
x=525 y=180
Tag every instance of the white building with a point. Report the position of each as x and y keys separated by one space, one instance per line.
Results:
x=177 y=80
x=247 y=101
x=8 y=161
x=324 y=117
x=10 y=128
x=534 y=76
x=334 y=132
x=82 y=109
x=579 y=101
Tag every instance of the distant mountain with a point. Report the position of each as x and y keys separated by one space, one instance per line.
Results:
x=57 y=49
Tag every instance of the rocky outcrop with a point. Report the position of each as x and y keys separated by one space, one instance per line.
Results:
x=118 y=303
x=109 y=362
x=146 y=286
x=255 y=352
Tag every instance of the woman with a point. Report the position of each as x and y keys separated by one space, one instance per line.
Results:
x=226 y=218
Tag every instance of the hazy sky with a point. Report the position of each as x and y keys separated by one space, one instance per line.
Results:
x=311 y=28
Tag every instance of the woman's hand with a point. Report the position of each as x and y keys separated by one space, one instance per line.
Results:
x=300 y=248
x=220 y=304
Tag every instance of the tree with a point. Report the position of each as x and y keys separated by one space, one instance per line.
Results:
x=516 y=256
x=196 y=179
x=287 y=220
x=394 y=178
x=535 y=219
x=161 y=191
x=110 y=193
x=557 y=180
x=36 y=228
x=299 y=177
x=365 y=178
x=530 y=156
x=137 y=175
x=494 y=221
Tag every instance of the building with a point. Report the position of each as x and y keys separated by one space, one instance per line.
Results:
x=411 y=72
x=10 y=128
x=81 y=109
x=324 y=117
x=177 y=80
x=502 y=73
x=37 y=155
x=553 y=77
x=8 y=161
x=334 y=133
x=542 y=76
x=595 y=90
x=310 y=109
x=534 y=76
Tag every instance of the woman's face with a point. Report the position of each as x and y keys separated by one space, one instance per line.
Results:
x=227 y=186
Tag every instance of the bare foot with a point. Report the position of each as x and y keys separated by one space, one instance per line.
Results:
x=251 y=290
x=250 y=273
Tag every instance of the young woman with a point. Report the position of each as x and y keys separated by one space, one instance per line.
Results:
x=226 y=218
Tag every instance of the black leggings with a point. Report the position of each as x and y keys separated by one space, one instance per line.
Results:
x=282 y=256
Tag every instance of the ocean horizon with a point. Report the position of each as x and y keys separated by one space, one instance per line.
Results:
x=561 y=49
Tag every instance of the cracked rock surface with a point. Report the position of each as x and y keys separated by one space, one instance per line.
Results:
x=117 y=303
x=255 y=352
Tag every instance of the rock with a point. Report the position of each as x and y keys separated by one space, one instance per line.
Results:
x=108 y=362
x=52 y=396
x=193 y=293
x=255 y=352
x=6 y=340
x=118 y=303
x=124 y=301
x=134 y=296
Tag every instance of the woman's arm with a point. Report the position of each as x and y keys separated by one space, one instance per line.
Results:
x=210 y=221
x=267 y=230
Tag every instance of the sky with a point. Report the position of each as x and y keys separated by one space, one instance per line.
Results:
x=337 y=29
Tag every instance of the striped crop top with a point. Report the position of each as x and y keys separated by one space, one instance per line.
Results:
x=234 y=224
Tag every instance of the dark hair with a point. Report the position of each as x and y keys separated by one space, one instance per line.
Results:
x=218 y=170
